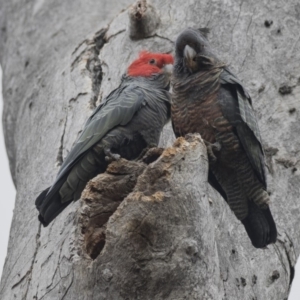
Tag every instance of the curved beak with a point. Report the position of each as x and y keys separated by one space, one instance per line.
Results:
x=189 y=53
x=168 y=69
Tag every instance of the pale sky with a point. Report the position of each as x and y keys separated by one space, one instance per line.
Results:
x=8 y=194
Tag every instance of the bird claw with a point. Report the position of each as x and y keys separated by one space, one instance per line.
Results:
x=216 y=147
x=109 y=156
x=212 y=149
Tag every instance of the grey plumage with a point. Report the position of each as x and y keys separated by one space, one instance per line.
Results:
x=129 y=120
x=209 y=99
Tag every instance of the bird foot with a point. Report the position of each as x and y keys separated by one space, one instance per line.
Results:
x=212 y=150
x=109 y=156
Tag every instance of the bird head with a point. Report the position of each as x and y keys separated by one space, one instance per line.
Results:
x=149 y=64
x=193 y=52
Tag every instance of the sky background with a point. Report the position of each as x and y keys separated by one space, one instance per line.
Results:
x=8 y=194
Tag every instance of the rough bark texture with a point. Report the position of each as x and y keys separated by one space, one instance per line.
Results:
x=172 y=237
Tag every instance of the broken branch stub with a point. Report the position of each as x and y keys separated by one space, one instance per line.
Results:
x=101 y=198
x=143 y=20
x=103 y=195
x=156 y=234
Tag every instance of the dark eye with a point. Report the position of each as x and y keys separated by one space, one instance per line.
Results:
x=152 y=61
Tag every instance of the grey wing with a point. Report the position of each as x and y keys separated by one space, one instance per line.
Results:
x=112 y=95
x=118 y=109
x=241 y=115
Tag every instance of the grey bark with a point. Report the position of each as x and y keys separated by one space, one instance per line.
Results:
x=173 y=236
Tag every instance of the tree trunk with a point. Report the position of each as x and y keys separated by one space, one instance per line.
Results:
x=144 y=230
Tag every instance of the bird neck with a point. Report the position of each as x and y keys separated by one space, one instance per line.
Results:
x=199 y=85
x=159 y=81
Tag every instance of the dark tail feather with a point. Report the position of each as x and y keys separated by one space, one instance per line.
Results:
x=40 y=199
x=260 y=226
x=49 y=207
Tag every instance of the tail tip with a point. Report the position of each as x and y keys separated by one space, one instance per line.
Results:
x=41 y=219
x=261 y=228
